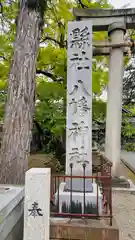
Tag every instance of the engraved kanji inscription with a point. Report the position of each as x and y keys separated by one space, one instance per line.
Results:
x=78 y=130
x=77 y=156
x=80 y=106
x=74 y=155
x=74 y=131
x=35 y=210
x=74 y=106
x=83 y=156
x=80 y=37
x=80 y=61
x=79 y=97
x=83 y=130
x=83 y=106
x=76 y=87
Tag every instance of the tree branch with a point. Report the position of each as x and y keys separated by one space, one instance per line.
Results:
x=1 y=8
x=46 y=73
x=55 y=41
x=49 y=75
x=81 y=4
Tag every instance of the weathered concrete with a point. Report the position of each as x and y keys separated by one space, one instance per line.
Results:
x=102 y=51
x=80 y=229
x=126 y=190
x=102 y=18
x=120 y=182
x=105 y=51
x=11 y=212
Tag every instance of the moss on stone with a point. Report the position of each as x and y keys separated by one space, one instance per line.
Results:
x=77 y=208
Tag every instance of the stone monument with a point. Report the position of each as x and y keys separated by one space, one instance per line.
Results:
x=79 y=103
x=79 y=116
x=37 y=204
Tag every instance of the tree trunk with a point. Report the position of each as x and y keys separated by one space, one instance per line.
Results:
x=19 y=111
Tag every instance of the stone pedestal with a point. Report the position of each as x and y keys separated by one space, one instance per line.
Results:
x=78 y=185
x=37 y=204
x=77 y=203
x=120 y=182
x=78 y=229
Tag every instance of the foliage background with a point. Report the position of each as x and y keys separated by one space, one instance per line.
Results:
x=50 y=111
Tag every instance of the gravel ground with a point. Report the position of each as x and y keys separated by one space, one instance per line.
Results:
x=124 y=208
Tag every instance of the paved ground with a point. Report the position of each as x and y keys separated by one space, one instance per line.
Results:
x=124 y=213
x=124 y=208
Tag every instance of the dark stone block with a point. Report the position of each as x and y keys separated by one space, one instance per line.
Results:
x=78 y=185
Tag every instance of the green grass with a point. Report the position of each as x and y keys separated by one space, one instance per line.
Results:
x=131 y=175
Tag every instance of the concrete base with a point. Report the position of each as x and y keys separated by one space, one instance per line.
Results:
x=120 y=182
x=11 y=212
x=80 y=229
x=128 y=190
x=77 y=205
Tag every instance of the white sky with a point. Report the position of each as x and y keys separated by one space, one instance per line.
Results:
x=120 y=3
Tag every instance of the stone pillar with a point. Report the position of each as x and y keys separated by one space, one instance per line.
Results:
x=79 y=125
x=79 y=103
x=116 y=33
x=37 y=204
